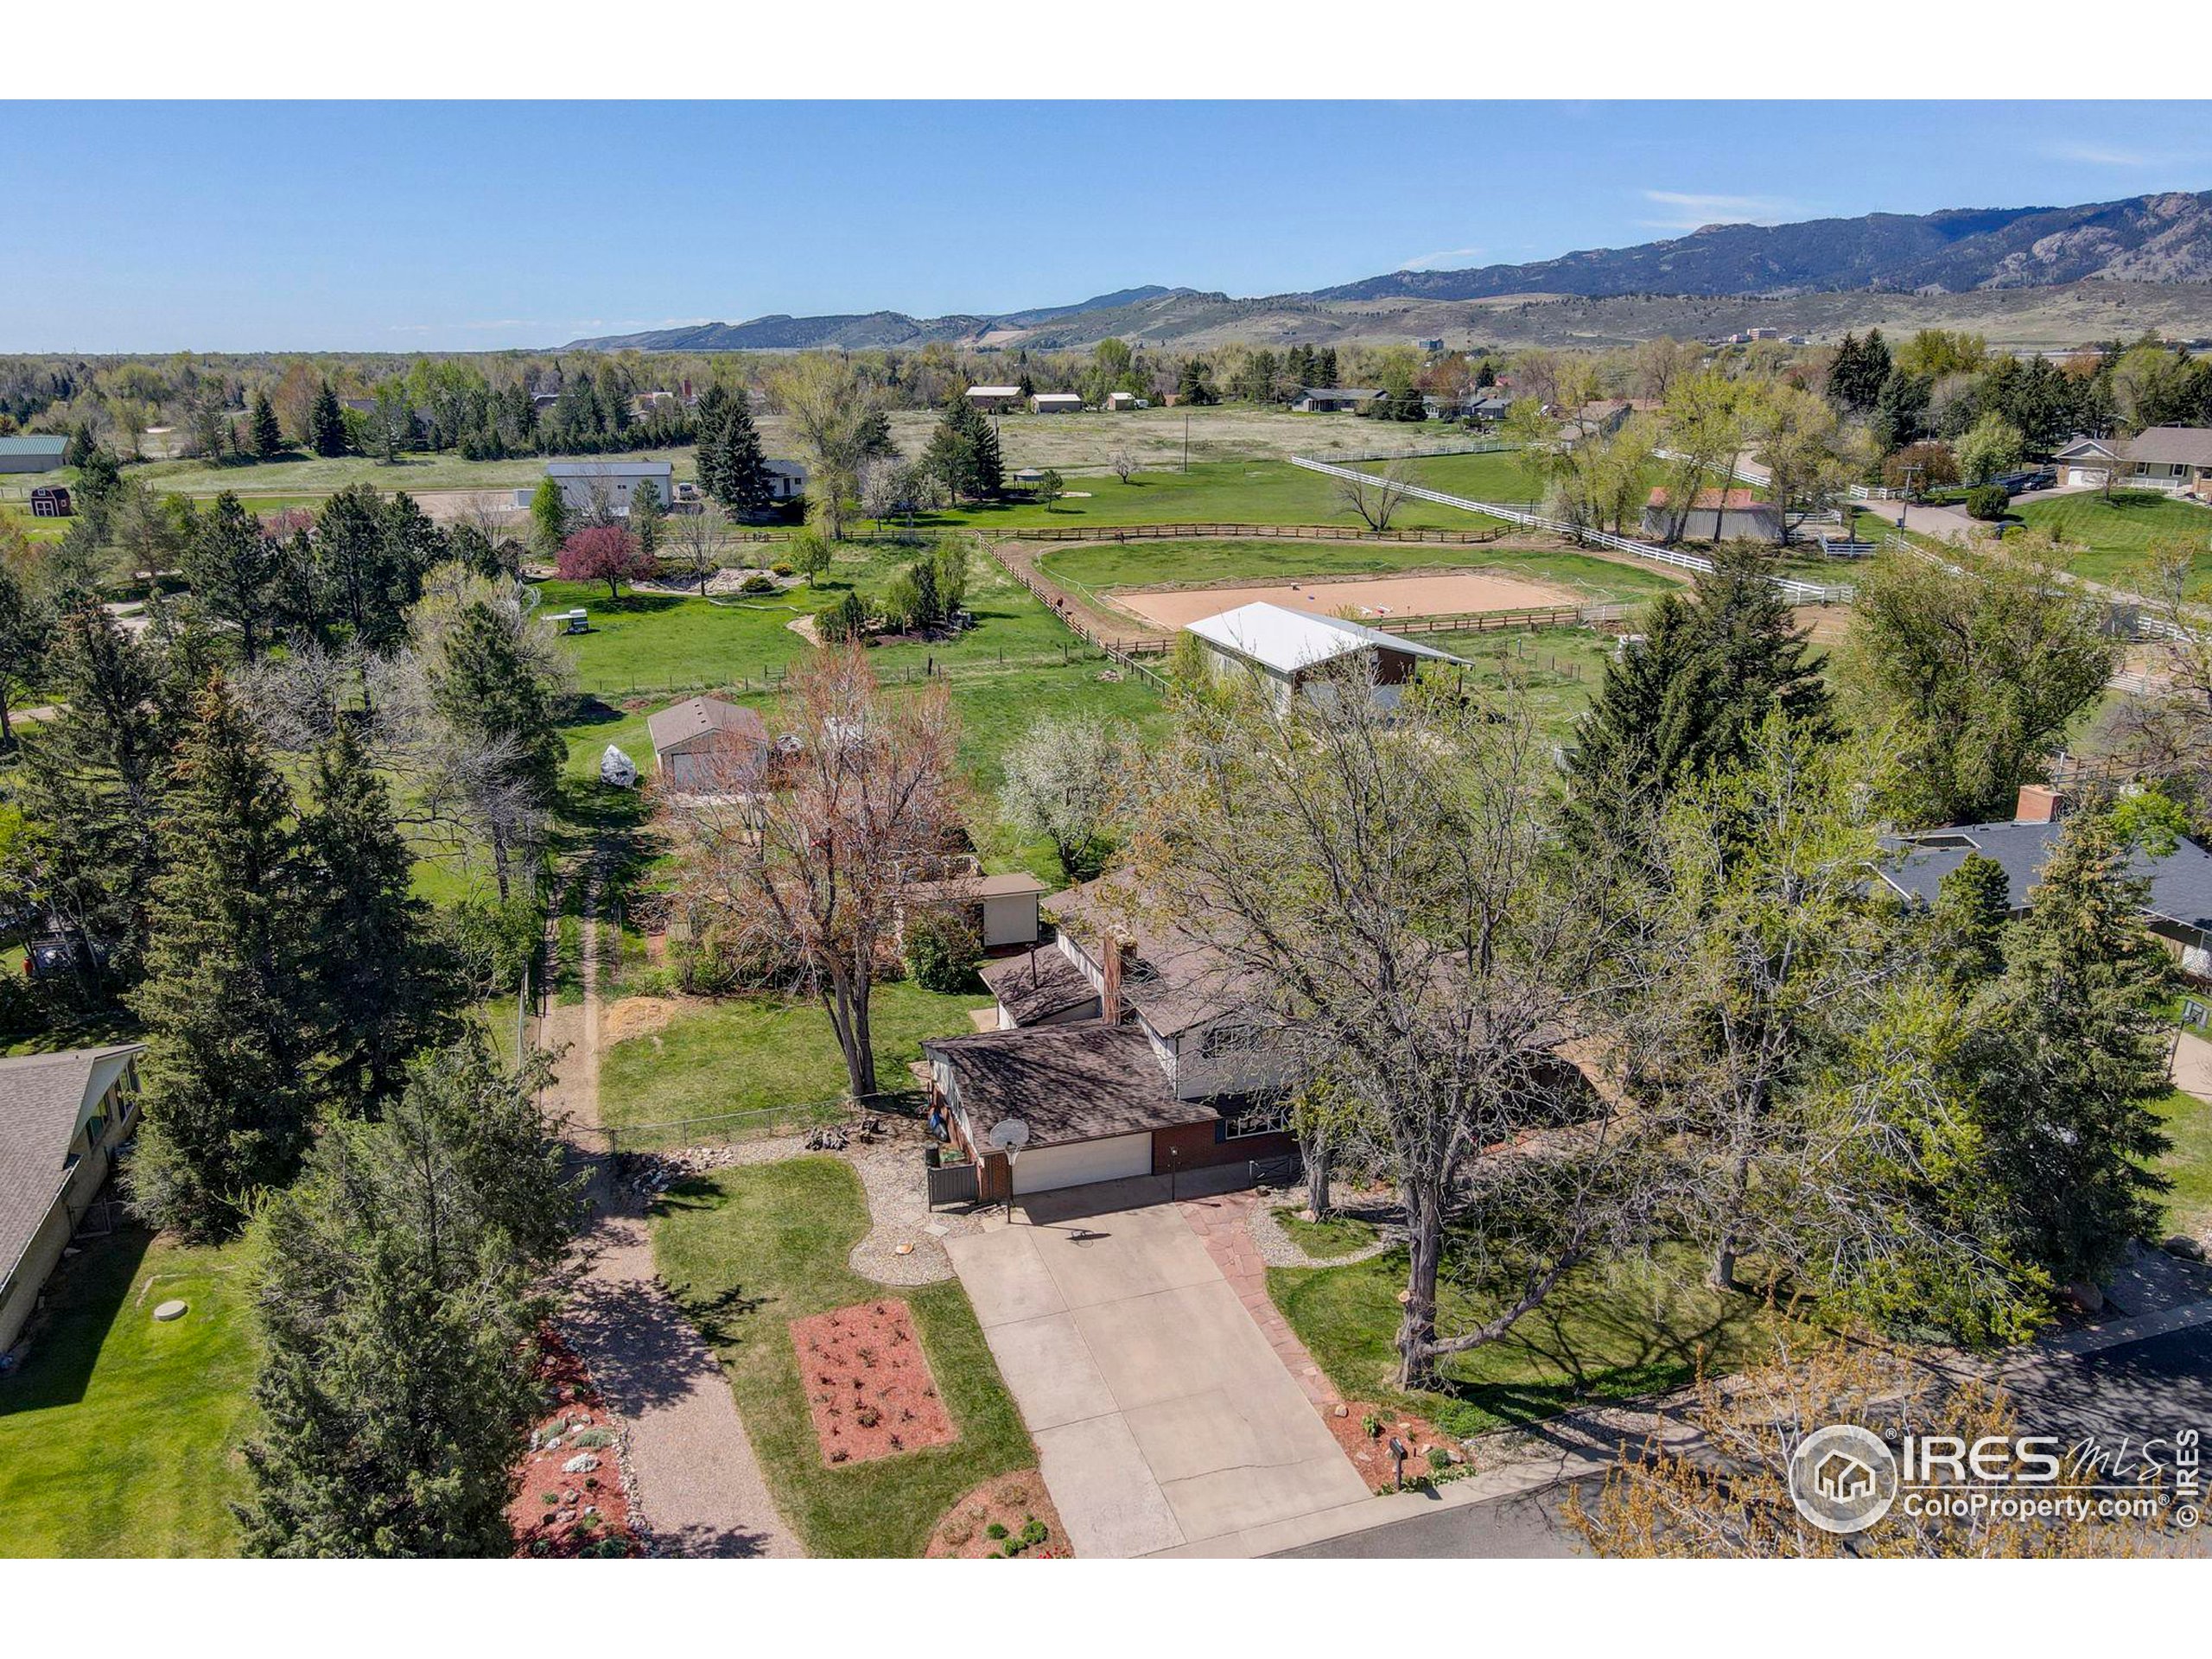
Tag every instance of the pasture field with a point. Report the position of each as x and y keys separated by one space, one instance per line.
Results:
x=2115 y=537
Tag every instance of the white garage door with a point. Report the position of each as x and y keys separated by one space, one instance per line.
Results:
x=1041 y=1169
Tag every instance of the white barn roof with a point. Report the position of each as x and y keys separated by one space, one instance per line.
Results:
x=994 y=392
x=1286 y=641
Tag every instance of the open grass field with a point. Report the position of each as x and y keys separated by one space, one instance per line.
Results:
x=748 y=1250
x=2116 y=536
x=119 y=1435
x=1606 y=1333
x=1498 y=476
x=1084 y=444
x=1103 y=566
x=751 y=1053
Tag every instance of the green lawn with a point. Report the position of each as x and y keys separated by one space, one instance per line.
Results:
x=319 y=476
x=1337 y=1236
x=2189 y=1166
x=747 y=1251
x=2117 y=533
x=1604 y=1334
x=1101 y=565
x=752 y=1053
x=1498 y=476
x=1234 y=492
x=118 y=1436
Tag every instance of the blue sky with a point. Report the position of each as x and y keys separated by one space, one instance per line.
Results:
x=399 y=226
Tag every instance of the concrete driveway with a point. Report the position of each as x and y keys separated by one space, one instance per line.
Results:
x=1162 y=1418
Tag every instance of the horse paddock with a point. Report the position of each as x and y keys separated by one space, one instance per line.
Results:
x=1369 y=598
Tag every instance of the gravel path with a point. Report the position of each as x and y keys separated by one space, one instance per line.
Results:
x=696 y=1481
x=898 y=1207
x=1278 y=1249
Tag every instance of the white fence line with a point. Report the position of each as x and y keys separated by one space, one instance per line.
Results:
x=1798 y=593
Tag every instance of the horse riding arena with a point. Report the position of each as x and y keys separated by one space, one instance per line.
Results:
x=1367 y=599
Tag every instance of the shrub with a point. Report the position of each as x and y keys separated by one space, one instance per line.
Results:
x=779 y=569
x=1033 y=1534
x=1439 y=1459
x=757 y=584
x=941 y=952
x=995 y=1531
x=1987 y=501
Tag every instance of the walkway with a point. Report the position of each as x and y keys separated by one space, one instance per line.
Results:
x=693 y=1474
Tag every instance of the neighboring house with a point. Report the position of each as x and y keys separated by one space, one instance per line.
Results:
x=695 y=741
x=786 y=479
x=646 y=404
x=1000 y=910
x=1328 y=400
x=585 y=483
x=1056 y=403
x=994 y=397
x=1490 y=408
x=1118 y=402
x=1119 y=1050
x=2084 y=461
x=1608 y=414
x=2175 y=458
x=1715 y=515
x=32 y=454
x=1439 y=408
x=61 y=1118
x=2180 y=910
x=1288 y=649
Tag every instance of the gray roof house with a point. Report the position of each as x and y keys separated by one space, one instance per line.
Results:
x=61 y=1118
x=1119 y=1053
x=1323 y=400
x=36 y=454
x=2173 y=457
x=2180 y=910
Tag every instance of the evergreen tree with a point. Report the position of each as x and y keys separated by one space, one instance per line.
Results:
x=1900 y=411
x=732 y=467
x=268 y=438
x=645 y=517
x=964 y=453
x=1973 y=903
x=1859 y=372
x=371 y=556
x=227 y=1104
x=1760 y=658
x=378 y=993
x=1324 y=366
x=397 y=1291
x=26 y=629
x=1192 y=386
x=2077 y=1034
x=327 y=423
x=485 y=687
x=232 y=566
x=549 y=516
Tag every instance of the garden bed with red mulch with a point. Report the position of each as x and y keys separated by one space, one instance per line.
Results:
x=585 y=1510
x=868 y=1383
x=1371 y=1451
x=1011 y=1516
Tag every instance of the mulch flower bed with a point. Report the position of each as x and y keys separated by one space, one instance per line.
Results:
x=571 y=1498
x=1370 y=1452
x=1011 y=1516
x=868 y=1383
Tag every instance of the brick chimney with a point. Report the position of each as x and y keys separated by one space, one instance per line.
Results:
x=2038 y=804
x=1109 y=990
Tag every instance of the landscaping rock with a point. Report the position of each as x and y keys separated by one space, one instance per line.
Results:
x=169 y=1311
x=582 y=1464
x=2182 y=1245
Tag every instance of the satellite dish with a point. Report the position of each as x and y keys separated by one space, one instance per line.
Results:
x=1008 y=1135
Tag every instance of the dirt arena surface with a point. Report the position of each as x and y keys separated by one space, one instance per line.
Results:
x=1369 y=599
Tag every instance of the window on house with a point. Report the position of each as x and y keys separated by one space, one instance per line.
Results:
x=1257 y=1120
x=1223 y=1039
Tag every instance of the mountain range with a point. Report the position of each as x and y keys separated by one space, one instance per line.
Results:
x=2109 y=268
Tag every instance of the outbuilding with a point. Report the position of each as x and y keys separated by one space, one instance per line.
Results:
x=698 y=742
x=609 y=485
x=1288 y=649
x=36 y=454
x=1056 y=403
x=1328 y=400
x=994 y=397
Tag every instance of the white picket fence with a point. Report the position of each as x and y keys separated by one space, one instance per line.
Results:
x=1798 y=593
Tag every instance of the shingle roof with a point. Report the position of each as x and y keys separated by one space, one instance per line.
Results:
x=1177 y=980
x=1067 y=1082
x=2181 y=882
x=1340 y=391
x=1706 y=500
x=2192 y=446
x=606 y=468
x=1038 y=983
x=41 y=1097
x=695 y=716
x=1278 y=638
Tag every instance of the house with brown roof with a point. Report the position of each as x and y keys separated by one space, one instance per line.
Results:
x=2174 y=459
x=1120 y=1050
x=701 y=739
x=62 y=1116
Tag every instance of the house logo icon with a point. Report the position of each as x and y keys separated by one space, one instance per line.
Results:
x=1842 y=1477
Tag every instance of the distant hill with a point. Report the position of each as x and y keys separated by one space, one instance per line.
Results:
x=2164 y=238
x=2023 y=276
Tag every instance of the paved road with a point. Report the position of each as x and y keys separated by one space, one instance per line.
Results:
x=2147 y=1389
x=1524 y=1527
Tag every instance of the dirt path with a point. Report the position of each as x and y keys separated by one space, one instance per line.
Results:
x=691 y=1464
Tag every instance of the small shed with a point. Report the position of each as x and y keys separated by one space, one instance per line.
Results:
x=50 y=501
x=1118 y=400
x=701 y=736
x=1715 y=515
x=994 y=397
x=1056 y=403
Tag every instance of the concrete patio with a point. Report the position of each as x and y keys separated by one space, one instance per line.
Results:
x=1162 y=1416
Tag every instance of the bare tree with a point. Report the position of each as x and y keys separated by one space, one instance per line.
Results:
x=1376 y=497
x=1383 y=891
x=695 y=542
x=1122 y=463
x=807 y=850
